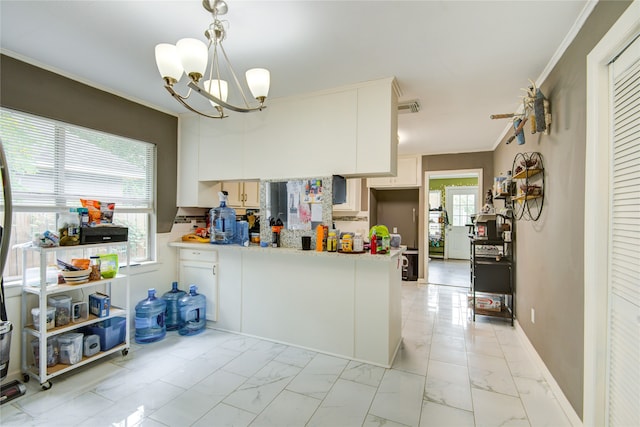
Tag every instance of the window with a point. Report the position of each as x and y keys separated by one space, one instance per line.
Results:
x=464 y=205
x=53 y=165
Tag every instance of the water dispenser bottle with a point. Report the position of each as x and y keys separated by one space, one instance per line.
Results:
x=150 y=321
x=224 y=222
x=172 y=316
x=193 y=312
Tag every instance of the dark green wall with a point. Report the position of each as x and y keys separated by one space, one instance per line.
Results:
x=30 y=89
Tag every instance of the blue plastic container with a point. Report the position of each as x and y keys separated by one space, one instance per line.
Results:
x=172 y=316
x=150 y=322
x=193 y=312
x=111 y=332
x=223 y=223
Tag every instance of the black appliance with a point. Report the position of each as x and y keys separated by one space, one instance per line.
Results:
x=410 y=265
x=106 y=234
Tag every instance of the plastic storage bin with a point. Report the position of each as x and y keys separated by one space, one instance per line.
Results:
x=79 y=311
x=51 y=316
x=52 y=351
x=62 y=303
x=91 y=345
x=111 y=332
x=70 y=348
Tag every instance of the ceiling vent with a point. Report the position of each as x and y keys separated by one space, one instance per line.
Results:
x=406 y=107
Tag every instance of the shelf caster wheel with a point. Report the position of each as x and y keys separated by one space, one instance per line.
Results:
x=25 y=378
x=125 y=351
x=47 y=385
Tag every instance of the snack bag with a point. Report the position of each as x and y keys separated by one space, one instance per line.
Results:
x=108 y=265
x=94 y=210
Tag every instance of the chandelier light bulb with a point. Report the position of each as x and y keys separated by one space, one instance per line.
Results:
x=259 y=80
x=193 y=56
x=217 y=88
x=168 y=62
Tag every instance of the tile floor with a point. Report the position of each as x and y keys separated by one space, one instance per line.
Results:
x=452 y=272
x=449 y=372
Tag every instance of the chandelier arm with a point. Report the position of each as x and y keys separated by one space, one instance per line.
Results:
x=222 y=103
x=182 y=101
x=235 y=78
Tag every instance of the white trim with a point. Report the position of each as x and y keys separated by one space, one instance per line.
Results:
x=568 y=39
x=568 y=410
x=435 y=174
x=597 y=167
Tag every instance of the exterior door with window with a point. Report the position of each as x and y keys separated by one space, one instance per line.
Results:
x=461 y=203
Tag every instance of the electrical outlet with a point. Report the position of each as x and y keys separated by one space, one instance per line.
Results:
x=533 y=315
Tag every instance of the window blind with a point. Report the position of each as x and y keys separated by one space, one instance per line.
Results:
x=54 y=164
x=624 y=243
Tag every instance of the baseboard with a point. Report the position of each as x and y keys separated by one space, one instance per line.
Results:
x=555 y=388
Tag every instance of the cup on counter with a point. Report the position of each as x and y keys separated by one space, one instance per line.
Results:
x=306 y=243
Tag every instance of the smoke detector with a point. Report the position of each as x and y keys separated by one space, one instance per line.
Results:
x=406 y=107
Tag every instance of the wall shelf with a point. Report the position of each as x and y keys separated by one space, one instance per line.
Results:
x=528 y=174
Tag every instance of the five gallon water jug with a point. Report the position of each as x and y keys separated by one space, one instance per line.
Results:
x=172 y=315
x=150 y=321
x=193 y=312
x=223 y=222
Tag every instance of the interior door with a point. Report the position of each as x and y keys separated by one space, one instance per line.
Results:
x=461 y=203
x=399 y=209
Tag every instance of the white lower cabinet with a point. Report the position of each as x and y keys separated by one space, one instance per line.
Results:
x=73 y=318
x=200 y=268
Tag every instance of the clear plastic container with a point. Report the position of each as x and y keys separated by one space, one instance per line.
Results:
x=91 y=345
x=172 y=297
x=70 y=348
x=193 y=312
x=62 y=303
x=51 y=317
x=52 y=351
x=69 y=228
x=150 y=319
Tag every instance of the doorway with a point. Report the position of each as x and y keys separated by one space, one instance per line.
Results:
x=453 y=196
x=398 y=210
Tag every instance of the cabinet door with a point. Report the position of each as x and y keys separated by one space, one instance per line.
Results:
x=408 y=175
x=235 y=196
x=252 y=194
x=205 y=276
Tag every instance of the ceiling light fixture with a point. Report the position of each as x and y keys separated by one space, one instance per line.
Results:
x=190 y=56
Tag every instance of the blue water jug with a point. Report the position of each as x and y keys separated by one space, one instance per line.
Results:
x=223 y=223
x=193 y=312
x=172 y=314
x=150 y=321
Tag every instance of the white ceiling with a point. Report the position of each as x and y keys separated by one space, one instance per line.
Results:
x=463 y=60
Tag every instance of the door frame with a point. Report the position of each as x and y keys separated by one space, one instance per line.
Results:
x=428 y=175
x=596 y=213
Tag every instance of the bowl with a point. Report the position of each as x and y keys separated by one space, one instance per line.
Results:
x=76 y=277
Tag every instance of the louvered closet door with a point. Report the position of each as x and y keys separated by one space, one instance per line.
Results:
x=624 y=243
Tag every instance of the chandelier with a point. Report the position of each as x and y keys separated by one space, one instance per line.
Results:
x=191 y=57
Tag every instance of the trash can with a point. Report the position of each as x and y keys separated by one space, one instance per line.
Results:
x=410 y=265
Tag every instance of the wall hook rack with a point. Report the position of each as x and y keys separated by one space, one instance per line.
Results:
x=536 y=109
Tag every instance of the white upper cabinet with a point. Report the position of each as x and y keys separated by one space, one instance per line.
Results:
x=242 y=194
x=346 y=131
x=409 y=175
x=192 y=192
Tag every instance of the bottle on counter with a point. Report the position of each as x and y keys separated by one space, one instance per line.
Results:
x=224 y=222
x=319 y=238
x=347 y=243
x=332 y=242
x=373 y=245
x=358 y=243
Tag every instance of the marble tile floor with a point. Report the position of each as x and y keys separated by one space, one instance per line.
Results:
x=448 y=372
x=451 y=272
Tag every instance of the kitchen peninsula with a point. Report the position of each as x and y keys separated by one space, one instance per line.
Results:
x=341 y=304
